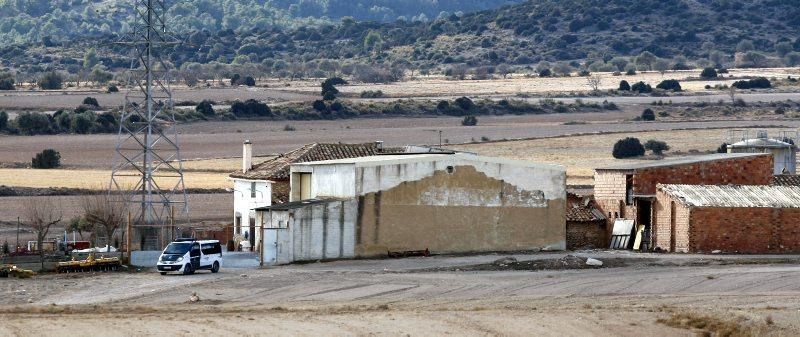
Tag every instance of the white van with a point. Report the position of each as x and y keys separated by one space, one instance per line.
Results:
x=188 y=255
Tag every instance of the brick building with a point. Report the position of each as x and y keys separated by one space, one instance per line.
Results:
x=628 y=191
x=586 y=224
x=745 y=219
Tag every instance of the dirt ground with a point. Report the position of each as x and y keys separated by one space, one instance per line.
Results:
x=396 y=298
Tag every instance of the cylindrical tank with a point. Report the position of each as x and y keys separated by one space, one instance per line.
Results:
x=784 y=154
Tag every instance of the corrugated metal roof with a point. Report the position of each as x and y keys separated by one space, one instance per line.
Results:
x=680 y=161
x=746 y=196
x=761 y=143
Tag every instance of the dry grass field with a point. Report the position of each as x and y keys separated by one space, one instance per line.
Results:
x=519 y=84
x=581 y=154
x=98 y=179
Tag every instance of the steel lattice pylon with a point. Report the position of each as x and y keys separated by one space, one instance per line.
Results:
x=147 y=168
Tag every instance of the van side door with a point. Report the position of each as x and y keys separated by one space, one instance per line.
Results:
x=194 y=254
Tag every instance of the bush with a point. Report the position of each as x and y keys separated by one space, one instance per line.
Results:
x=545 y=73
x=709 y=73
x=648 y=115
x=673 y=85
x=329 y=96
x=33 y=123
x=235 y=79
x=289 y=127
x=624 y=86
x=112 y=88
x=3 y=120
x=723 y=148
x=628 y=148
x=51 y=81
x=205 y=108
x=6 y=81
x=337 y=106
x=469 y=121
x=641 y=87
x=658 y=147
x=371 y=94
x=630 y=72
x=250 y=107
x=757 y=83
x=46 y=159
x=319 y=105
x=443 y=105
x=249 y=81
x=465 y=103
x=91 y=101
x=82 y=123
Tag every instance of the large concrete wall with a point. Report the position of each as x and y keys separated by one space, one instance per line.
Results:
x=315 y=232
x=421 y=205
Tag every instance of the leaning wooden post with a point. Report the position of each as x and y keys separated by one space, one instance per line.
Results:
x=128 y=239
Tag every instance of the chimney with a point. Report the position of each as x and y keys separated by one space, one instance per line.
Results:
x=247 y=156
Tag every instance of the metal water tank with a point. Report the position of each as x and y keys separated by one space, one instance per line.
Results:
x=784 y=154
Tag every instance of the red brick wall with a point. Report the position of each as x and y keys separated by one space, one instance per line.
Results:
x=746 y=230
x=736 y=171
x=582 y=234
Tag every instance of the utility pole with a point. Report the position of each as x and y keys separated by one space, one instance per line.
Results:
x=147 y=170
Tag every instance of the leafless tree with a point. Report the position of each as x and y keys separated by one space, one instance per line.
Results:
x=40 y=215
x=594 y=81
x=106 y=211
x=732 y=94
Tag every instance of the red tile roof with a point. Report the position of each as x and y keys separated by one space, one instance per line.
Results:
x=277 y=168
x=787 y=180
x=582 y=209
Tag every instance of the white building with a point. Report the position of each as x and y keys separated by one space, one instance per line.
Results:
x=266 y=183
x=444 y=203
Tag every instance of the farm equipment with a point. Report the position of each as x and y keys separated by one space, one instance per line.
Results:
x=7 y=270
x=90 y=264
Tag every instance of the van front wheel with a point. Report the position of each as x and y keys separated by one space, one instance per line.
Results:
x=163 y=273
x=215 y=267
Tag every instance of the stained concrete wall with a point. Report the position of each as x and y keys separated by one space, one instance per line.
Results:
x=467 y=210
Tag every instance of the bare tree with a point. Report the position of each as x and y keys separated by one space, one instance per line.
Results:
x=594 y=81
x=732 y=94
x=40 y=215
x=106 y=211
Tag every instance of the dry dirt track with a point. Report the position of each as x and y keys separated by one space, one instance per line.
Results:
x=382 y=297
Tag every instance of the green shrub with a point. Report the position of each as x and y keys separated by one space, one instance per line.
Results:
x=206 y=108
x=465 y=103
x=250 y=108
x=628 y=148
x=624 y=86
x=723 y=148
x=469 y=121
x=443 y=105
x=3 y=121
x=91 y=101
x=757 y=83
x=46 y=159
x=289 y=127
x=656 y=146
x=545 y=73
x=51 y=81
x=6 y=81
x=112 y=88
x=319 y=105
x=673 y=85
x=33 y=123
x=641 y=87
x=648 y=115
x=709 y=72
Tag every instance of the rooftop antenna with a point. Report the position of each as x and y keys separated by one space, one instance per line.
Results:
x=147 y=169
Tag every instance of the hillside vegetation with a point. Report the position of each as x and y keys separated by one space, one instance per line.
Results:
x=562 y=36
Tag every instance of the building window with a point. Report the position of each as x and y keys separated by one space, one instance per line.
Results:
x=629 y=190
x=253 y=190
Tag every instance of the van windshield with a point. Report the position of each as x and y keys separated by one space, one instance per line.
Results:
x=179 y=248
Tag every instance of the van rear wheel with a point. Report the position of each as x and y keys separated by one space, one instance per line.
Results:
x=163 y=273
x=215 y=267
x=187 y=269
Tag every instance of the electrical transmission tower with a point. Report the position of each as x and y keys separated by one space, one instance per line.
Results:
x=147 y=170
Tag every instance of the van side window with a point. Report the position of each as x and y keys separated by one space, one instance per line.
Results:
x=211 y=248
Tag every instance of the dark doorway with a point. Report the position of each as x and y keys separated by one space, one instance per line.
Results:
x=252 y=237
x=644 y=213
